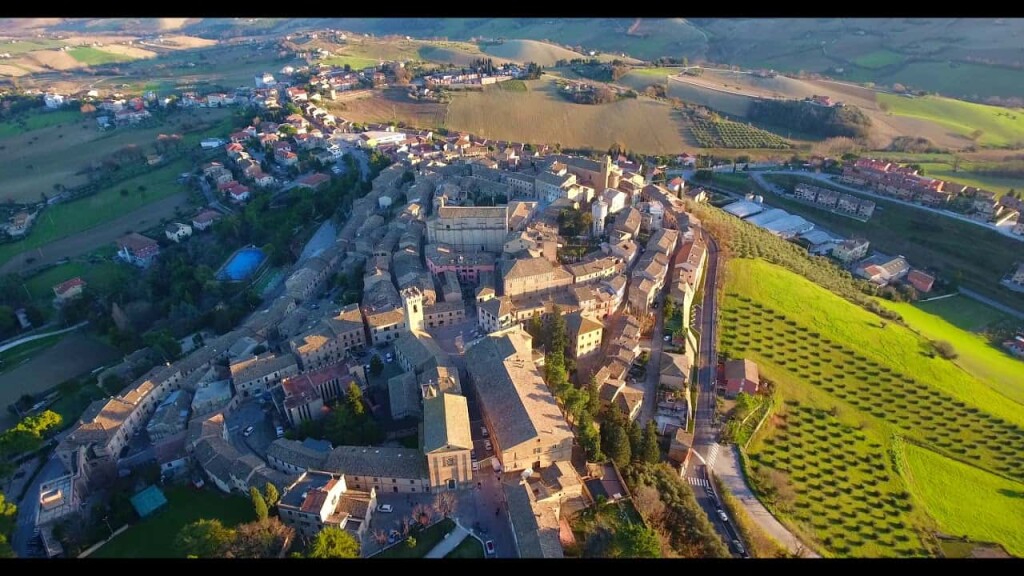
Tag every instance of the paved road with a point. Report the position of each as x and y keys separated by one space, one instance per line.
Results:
x=28 y=508
x=705 y=435
x=758 y=177
x=727 y=468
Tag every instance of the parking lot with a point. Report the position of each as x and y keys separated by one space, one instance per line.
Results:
x=260 y=417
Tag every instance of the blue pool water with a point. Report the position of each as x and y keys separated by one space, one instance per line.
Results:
x=241 y=265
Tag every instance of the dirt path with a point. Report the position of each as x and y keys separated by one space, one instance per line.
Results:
x=93 y=238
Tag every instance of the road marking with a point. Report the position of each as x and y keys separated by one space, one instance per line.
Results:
x=697 y=481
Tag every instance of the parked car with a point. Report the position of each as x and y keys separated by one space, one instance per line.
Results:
x=385 y=508
x=483 y=430
x=389 y=357
x=488 y=446
x=667 y=338
x=248 y=431
x=489 y=546
x=738 y=547
x=723 y=516
x=279 y=430
x=476 y=466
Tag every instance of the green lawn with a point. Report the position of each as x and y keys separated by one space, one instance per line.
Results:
x=39 y=119
x=999 y=126
x=95 y=57
x=425 y=542
x=964 y=312
x=96 y=275
x=878 y=59
x=468 y=548
x=12 y=357
x=814 y=337
x=154 y=536
x=356 y=62
x=966 y=501
x=1000 y=371
x=23 y=46
x=69 y=218
x=980 y=257
x=955 y=79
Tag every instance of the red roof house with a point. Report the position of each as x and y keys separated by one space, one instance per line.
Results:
x=923 y=282
x=69 y=289
x=740 y=376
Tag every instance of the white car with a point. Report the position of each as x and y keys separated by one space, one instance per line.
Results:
x=667 y=338
x=389 y=357
x=487 y=445
x=248 y=431
x=483 y=430
x=476 y=466
x=723 y=516
x=385 y=508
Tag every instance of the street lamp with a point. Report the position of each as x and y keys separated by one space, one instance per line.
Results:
x=108 y=526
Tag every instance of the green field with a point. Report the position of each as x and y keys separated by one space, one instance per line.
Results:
x=782 y=319
x=878 y=59
x=154 y=536
x=963 y=312
x=966 y=501
x=23 y=46
x=40 y=119
x=96 y=57
x=849 y=385
x=957 y=80
x=978 y=257
x=356 y=62
x=101 y=276
x=69 y=218
x=1000 y=371
x=998 y=126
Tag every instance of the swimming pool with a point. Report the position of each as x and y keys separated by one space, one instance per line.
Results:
x=241 y=265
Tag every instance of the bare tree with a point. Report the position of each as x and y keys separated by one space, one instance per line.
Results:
x=444 y=503
x=648 y=503
x=380 y=537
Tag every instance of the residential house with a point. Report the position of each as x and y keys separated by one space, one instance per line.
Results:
x=741 y=376
x=676 y=369
x=137 y=249
x=69 y=289
x=294 y=457
x=584 y=335
x=851 y=250
x=533 y=276
x=320 y=499
x=307 y=395
x=882 y=270
x=205 y=219
x=176 y=231
x=254 y=376
x=921 y=281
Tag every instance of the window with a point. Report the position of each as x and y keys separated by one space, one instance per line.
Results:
x=394 y=481
x=449 y=461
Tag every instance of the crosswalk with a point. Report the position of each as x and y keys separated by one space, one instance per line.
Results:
x=702 y=482
x=713 y=455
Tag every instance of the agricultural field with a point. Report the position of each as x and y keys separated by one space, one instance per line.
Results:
x=524 y=51
x=39 y=120
x=391 y=104
x=96 y=57
x=849 y=381
x=955 y=79
x=966 y=501
x=355 y=62
x=69 y=218
x=975 y=353
x=886 y=372
x=878 y=59
x=724 y=133
x=977 y=257
x=541 y=115
x=834 y=483
x=993 y=125
x=36 y=157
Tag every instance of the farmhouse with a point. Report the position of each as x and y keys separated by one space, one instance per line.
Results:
x=851 y=250
x=921 y=281
x=882 y=270
x=176 y=231
x=137 y=249
x=740 y=376
x=205 y=219
x=69 y=289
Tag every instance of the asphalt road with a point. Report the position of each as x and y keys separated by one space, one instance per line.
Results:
x=24 y=530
